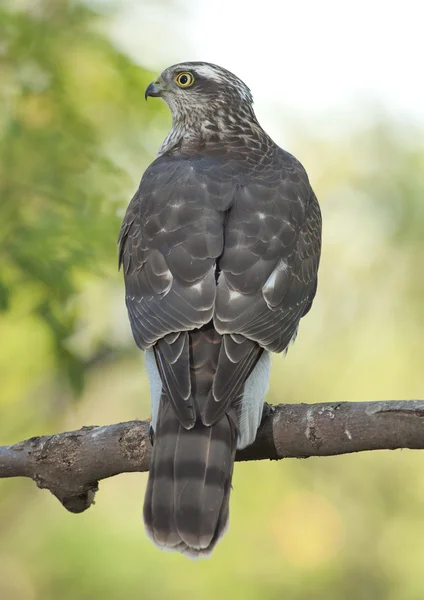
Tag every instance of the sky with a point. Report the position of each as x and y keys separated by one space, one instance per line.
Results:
x=305 y=56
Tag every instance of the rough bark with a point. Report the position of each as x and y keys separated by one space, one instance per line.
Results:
x=71 y=464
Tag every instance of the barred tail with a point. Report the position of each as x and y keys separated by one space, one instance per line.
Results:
x=186 y=505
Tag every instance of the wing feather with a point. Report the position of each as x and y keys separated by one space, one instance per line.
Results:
x=170 y=240
x=270 y=261
x=206 y=241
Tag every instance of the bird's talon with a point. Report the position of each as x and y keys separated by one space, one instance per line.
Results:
x=151 y=435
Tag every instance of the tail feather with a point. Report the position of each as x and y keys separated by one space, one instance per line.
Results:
x=158 y=518
x=203 y=469
x=186 y=505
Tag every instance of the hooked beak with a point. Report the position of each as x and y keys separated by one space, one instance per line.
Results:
x=153 y=89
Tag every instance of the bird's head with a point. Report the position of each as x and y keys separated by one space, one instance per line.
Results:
x=194 y=90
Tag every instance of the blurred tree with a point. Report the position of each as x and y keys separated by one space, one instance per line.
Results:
x=69 y=102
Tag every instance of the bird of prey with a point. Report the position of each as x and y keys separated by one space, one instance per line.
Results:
x=220 y=249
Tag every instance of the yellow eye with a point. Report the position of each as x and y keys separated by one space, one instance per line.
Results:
x=184 y=80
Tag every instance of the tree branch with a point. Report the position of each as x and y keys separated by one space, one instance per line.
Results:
x=71 y=464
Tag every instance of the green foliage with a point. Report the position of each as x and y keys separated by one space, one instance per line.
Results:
x=64 y=88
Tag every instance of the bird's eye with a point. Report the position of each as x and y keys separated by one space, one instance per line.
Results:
x=184 y=80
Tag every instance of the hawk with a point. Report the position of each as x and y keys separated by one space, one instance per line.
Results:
x=220 y=249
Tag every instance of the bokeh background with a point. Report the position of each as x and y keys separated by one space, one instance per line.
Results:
x=339 y=85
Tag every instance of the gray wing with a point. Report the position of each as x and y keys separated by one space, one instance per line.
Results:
x=194 y=218
x=170 y=240
x=270 y=261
